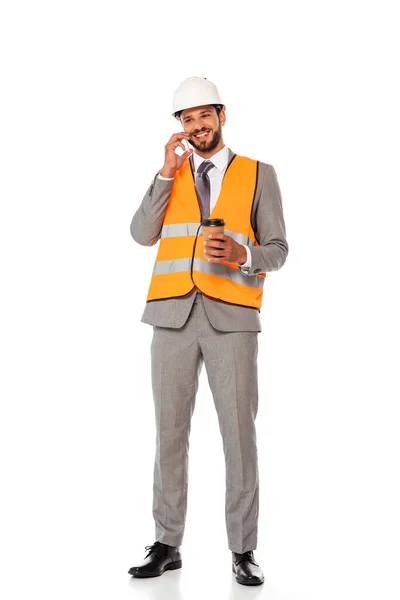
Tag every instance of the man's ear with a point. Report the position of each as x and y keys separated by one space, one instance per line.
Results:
x=222 y=117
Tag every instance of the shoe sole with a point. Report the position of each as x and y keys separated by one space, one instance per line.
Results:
x=248 y=582
x=170 y=567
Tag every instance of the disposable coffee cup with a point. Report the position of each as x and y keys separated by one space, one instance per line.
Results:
x=212 y=226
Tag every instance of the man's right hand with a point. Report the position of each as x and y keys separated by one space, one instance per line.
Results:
x=172 y=161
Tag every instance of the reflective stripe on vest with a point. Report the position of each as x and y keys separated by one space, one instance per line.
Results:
x=180 y=264
x=182 y=229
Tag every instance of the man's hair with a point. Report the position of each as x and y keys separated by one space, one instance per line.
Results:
x=218 y=108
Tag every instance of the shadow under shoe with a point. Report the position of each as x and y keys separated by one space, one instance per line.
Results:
x=246 y=569
x=159 y=558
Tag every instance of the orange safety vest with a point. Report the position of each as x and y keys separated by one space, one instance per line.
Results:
x=180 y=264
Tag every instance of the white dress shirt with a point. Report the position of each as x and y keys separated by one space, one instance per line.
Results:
x=216 y=175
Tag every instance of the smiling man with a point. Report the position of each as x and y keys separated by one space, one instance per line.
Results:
x=204 y=302
x=209 y=137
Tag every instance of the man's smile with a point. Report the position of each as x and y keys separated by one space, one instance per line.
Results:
x=202 y=135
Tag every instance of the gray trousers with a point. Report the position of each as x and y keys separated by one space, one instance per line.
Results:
x=230 y=359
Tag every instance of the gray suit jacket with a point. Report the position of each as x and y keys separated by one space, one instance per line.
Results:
x=269 y=227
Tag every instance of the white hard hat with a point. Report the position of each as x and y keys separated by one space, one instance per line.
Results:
x=195 y=91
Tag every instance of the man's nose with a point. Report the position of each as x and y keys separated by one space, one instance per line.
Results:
x=197 y=125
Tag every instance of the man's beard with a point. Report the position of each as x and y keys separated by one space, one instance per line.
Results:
x=207 y=146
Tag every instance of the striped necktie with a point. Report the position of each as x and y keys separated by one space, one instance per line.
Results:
x=202 y=185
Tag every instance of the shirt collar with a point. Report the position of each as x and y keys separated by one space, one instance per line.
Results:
x=219 y=159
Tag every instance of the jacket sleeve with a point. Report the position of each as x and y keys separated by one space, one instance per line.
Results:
x=269 y=227
x=147 y=221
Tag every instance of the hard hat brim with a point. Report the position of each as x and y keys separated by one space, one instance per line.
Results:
x=177 y=113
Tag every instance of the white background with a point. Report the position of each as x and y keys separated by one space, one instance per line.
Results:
x=311 y=88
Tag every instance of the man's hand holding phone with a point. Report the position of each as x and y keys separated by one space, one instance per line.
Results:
x=172 y=161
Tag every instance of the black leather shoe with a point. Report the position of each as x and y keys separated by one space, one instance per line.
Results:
x=159 y=558
x=246 y=569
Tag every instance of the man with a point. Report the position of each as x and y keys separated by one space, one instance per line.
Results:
x=204 y=303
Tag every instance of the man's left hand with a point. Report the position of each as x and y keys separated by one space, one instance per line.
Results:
x=222 y=248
